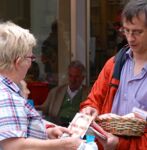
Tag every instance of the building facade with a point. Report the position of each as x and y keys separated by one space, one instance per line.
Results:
x=66 y=30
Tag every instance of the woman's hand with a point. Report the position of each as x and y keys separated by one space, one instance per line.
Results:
x=57 y=131
x=71 y=143
x=67 y=143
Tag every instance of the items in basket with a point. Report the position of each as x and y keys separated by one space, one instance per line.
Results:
x=139 y=113
x=126 y=125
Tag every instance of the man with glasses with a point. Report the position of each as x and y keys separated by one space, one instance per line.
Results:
x=21 y=127
x=122 y=83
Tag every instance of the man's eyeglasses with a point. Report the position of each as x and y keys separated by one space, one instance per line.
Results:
x=136 y=32
x=33 y=58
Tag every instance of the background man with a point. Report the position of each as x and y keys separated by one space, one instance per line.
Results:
x=63 y=101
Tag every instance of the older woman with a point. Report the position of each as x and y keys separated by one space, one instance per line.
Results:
x=21 y=127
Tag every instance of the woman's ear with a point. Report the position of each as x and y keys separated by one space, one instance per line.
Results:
x=17 y=62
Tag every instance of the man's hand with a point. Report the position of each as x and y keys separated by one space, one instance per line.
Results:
x=110 y=143
x=90 y=111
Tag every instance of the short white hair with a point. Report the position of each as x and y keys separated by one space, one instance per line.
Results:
x=14 y=42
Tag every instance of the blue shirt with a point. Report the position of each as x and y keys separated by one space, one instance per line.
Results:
x=17 y=117
x=132 y=90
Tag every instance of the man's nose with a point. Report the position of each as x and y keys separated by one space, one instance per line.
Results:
x=73 y=79
x=130 y=37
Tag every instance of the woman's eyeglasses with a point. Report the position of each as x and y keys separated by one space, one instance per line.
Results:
x=33 y=58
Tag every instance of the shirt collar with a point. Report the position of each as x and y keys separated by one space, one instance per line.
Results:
x=71 y=93
x=9 y=84
x=129 y=55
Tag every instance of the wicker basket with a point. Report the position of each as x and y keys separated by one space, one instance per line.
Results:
x=123 y=126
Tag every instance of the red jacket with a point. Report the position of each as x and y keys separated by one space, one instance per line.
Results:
x=102 y=95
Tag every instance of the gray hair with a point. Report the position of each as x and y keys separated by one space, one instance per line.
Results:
x=14 y=42
x=77 y=64
x=133 y=9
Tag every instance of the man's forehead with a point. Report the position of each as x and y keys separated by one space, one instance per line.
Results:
x=131 y=19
